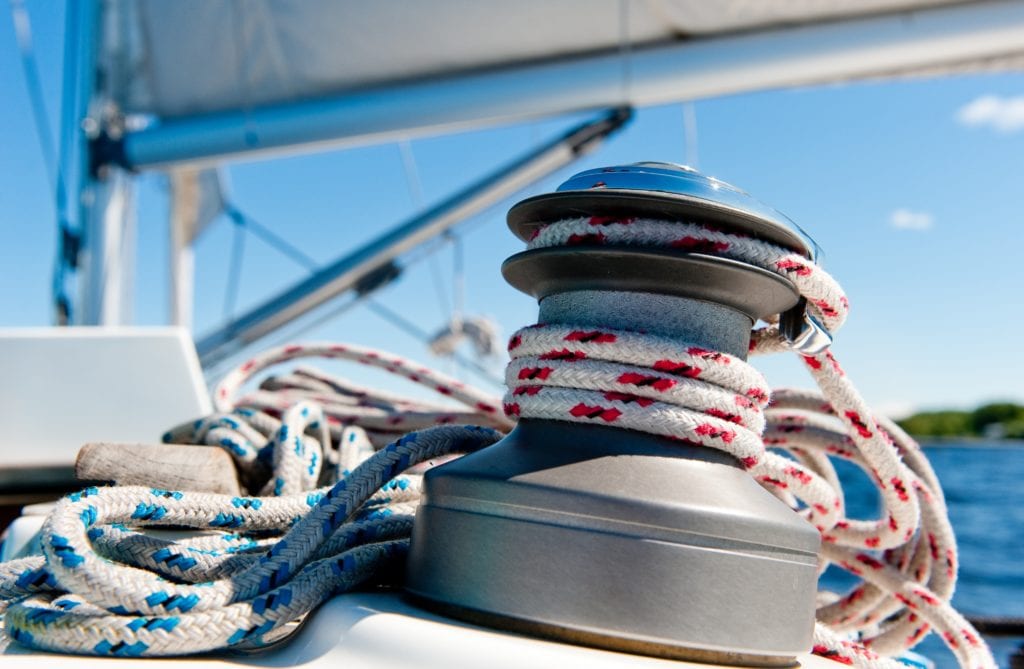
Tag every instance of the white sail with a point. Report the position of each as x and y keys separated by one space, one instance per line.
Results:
x=195 y=57
x=221 y=80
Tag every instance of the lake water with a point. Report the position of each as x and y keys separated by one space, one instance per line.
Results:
x=985 y=495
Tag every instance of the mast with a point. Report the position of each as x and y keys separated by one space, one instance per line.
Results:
x=102 y=194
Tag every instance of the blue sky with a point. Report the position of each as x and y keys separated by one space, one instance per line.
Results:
x=914 y=194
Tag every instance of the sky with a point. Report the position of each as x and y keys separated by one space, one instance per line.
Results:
x=913 y=188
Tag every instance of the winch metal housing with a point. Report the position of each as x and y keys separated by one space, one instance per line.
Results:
x=615 y=538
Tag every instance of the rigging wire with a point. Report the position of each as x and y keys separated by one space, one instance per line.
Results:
x=410 y=328
x=234 y=271
x=415 y=185
x=412 y=173
x=244 y=224
x=427 y=251
x=67 y=240
x=424 y=252
x=271 y=238
x=37 y=102
x=215 y=372
x=458 y=280
x=435 y=275
x=384 y=312
x=454 y=311
x=690 y=134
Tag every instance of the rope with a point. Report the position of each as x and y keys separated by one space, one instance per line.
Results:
x=334 y=543
x=331 y=513
x=906 y=559
x=328 y=514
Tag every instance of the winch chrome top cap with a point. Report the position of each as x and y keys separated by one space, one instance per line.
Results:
x=662 y=191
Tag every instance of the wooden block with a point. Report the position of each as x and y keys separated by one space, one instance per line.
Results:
x=165 y=466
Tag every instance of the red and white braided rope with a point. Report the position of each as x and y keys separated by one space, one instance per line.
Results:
x=825 y=298
x=906 y=558
x=384 y=416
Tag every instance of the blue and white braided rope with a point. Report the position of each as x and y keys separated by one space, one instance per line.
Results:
x=103 y=589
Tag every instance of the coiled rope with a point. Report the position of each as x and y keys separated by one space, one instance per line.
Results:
x=105 y=588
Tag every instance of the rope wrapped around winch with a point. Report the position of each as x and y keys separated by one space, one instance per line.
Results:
x=105 y=588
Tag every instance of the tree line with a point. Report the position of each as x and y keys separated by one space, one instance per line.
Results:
x=1000 y=420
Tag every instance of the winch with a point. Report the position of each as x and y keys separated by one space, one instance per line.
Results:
x=611 y=537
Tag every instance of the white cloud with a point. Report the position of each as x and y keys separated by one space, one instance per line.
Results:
x=905 y=219
x=1001 y=114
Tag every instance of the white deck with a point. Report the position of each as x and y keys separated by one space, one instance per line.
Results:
x=382 y=631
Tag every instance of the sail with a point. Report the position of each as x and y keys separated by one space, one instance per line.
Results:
x=197 y=57
x=213 y=79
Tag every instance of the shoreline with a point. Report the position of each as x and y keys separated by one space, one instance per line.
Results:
x=969 y=442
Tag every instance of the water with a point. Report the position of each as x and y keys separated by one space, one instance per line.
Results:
x=982 y=483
